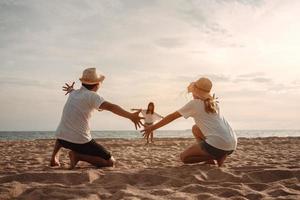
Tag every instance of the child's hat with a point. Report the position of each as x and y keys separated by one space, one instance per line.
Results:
x=201 y=88
x=90 y=76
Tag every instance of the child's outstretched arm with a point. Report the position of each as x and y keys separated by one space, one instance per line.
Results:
x=134 y=117
x=168 y=119
x=158 y=115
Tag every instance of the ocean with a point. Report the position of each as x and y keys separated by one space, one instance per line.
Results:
x=32 y=135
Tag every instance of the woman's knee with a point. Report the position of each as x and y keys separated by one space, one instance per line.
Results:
x=195 y=129
x=197 y=133
x=183 y=157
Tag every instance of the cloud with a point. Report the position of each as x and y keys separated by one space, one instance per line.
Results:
x=218 y=77
x=261 y=80
x=170 y=42
x=284 y=88
x=197 y=14
x=26 y=82
x=257 y=77
x=251 y=75
x=246 y=2
x=256 y=80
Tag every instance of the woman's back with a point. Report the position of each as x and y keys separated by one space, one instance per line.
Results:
x=214 y=126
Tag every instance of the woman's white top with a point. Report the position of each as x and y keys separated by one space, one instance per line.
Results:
x=150 y=118
x=214 y=126
x=75 y=121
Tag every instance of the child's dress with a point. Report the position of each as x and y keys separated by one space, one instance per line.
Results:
x=150 y=118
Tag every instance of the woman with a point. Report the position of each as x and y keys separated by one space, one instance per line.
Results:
x=215 y=138
x=150 y=117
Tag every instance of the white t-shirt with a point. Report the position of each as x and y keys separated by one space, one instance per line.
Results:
x=214 y=126
x=150 y=118
x=74 y=125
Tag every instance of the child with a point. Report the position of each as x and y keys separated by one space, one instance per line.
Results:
x=150 y=117
x=73 y=131
x=215 y=138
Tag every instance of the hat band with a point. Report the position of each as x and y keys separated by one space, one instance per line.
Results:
x=201 y=89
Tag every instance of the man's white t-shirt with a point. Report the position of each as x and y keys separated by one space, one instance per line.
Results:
x=150 y=118
x=74 y=125
x=214 y=126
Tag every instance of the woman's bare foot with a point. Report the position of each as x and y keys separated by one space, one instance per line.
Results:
x=54 y=162
x=221 y=160
x=210 y=162
x=73 y=160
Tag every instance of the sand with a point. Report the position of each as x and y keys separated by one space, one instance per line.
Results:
x=260 y=169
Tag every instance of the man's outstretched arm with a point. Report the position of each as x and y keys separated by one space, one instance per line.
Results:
x=134 y=117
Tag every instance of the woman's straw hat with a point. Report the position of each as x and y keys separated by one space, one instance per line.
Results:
x=90 y=77
x=201 y=88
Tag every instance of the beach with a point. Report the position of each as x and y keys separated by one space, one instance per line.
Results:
x=260 y=168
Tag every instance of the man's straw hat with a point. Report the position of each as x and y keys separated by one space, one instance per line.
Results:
x=90 y=77
x=201 y=88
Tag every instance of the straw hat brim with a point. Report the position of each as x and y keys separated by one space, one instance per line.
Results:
x=198 y=92
x=92 y=82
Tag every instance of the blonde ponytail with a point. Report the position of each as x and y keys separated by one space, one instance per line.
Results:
x=210 y=105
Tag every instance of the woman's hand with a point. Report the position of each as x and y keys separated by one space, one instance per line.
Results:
x=146 y=132
x=68 y=88
x=169 y=118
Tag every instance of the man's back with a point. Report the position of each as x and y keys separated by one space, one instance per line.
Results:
x=74 y=125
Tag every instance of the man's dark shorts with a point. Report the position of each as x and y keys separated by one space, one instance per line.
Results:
x=213 y=151
x=91 y=148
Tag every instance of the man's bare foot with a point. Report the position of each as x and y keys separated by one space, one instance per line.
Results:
x=221 y=160
x=73 y=160
x=210 y=162
x=112 y=162
x=54 y=162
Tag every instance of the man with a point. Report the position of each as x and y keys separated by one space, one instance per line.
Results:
x=73 y=131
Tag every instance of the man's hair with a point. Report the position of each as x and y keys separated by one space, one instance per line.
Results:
x=89 y=87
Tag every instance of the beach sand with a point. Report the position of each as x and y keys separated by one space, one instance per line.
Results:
x=266 y=168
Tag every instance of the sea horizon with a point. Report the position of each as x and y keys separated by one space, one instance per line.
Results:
x=135 y=134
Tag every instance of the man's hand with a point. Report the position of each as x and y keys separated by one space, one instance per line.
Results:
x=136 y=119
x=68 y=88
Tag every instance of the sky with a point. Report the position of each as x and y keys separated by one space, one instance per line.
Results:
x=150 y=50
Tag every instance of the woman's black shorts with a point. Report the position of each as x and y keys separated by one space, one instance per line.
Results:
x=91 y=148
x=213 y=151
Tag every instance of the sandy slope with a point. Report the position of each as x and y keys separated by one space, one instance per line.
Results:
x=259 y=169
